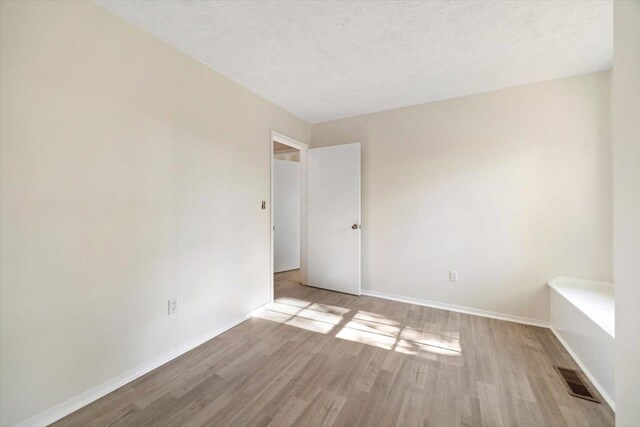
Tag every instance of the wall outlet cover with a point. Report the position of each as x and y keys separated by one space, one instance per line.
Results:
x=173 y=305
x=453 y=276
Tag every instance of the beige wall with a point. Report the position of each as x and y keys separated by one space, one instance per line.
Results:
x=625 y=126
x=130 y=174
x=510 y=188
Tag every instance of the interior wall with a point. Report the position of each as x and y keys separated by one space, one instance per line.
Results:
x=625 y=108
x=290 y=157
x=510 y=188
x=130 y=174
x=286 y=214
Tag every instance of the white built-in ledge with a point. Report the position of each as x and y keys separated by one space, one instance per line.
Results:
x=583 y=319
x=593 y=298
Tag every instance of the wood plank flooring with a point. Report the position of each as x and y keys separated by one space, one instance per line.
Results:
x=323 y=358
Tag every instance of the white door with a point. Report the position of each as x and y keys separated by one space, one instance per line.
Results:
x=333 y=215
x=286 y=215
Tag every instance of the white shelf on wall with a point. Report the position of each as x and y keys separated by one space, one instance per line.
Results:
x=595 y=299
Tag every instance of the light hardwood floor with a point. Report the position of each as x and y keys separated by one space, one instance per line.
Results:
x=323 y=358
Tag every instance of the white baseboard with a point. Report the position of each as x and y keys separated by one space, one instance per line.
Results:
x=582 y=366
x=458 y=308
x=65 y=408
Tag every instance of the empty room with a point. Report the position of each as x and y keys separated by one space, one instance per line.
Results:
x=328 y=213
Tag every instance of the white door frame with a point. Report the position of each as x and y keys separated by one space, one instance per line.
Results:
x=291 y=142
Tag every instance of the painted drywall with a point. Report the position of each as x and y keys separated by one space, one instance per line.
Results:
x=293 y=156
x=625 y=126
x=286 y=215
x=509 y=188
x=130 y=174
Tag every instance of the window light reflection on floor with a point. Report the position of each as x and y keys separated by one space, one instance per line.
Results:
x=362 y=327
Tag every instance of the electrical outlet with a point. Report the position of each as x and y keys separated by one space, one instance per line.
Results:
x=453 y=276
x=173 y=305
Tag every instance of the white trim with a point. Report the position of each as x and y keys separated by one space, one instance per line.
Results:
x=458 y=308
x=284 y=139
x=65 y=408
x=582 y=366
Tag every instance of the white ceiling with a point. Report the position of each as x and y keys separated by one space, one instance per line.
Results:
x=323 y=60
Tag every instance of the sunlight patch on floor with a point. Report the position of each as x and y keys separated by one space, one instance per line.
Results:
x=307 y=313
x=363 y=327
x=369 y=338
x=376 y=328
x=298 y=322
x=423 y=338
x=374 y=317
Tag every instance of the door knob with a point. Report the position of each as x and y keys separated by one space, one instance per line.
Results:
x=355 y=226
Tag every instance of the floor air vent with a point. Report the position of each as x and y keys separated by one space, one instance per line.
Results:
x=575 y=386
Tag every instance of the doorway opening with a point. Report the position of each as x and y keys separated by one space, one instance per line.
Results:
x=328 y=220
x=288 y=210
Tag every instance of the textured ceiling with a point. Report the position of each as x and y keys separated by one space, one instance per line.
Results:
x=325 y=60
